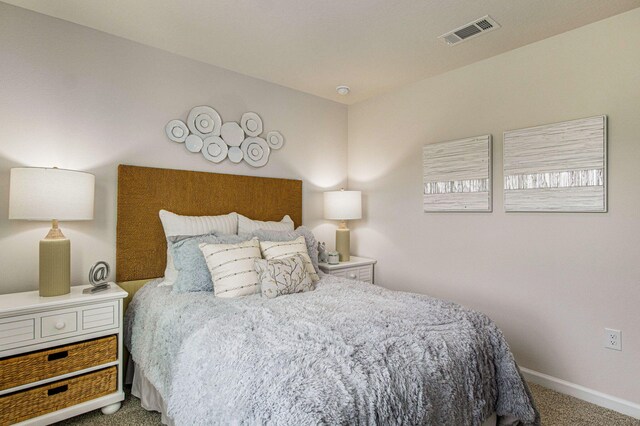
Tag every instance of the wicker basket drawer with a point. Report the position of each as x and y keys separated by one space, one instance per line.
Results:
x=35 y=366
x=20 y=406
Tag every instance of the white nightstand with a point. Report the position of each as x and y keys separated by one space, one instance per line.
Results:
x=358 y=268
x=60 y=356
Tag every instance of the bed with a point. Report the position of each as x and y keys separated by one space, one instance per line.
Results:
x=346 y=353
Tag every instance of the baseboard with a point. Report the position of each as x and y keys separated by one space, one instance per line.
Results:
x=593 y=396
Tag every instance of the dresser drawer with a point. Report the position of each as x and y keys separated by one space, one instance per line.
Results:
x=59 y=323
x=365 y=273
x=360 y=273
x=24 y=405
x=100 y=316
x=16 y=332
x=35 y=366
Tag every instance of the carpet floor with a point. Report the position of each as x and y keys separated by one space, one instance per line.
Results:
x=555 y=408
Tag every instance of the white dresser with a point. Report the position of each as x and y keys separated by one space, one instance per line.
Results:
x=357 y=268
x=60 y=356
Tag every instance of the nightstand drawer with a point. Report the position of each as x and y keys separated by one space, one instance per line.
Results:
x=99 y=316
x=34 y=402
x=35 y=366
x=59 y=323
x=28 y=330
x=17 y=332
x=357 y=268
x=365 y=273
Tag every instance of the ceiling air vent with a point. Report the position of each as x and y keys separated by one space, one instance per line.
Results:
x=471 y=30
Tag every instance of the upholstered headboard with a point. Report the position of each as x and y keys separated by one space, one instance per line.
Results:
x=143 y=192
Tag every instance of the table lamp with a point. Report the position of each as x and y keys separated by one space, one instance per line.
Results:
x=43 y=194
x=343 y=205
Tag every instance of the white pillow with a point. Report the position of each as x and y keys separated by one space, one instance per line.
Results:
x=232 y=267
x=281 y=249
x=247 y=226
x=178 y=225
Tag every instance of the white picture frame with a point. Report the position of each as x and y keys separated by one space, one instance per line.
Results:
x=559 y=167
x=457 y=175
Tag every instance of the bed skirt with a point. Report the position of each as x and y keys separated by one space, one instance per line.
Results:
x=150 y=398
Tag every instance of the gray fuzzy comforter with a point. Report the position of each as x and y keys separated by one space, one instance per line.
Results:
x=346 y=353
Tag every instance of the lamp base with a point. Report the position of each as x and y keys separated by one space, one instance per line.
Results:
x=55 y=264
x=343 y=243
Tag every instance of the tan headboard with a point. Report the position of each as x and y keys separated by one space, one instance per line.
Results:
x=143 y=192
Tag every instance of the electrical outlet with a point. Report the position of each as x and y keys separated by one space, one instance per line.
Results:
x=613 y=339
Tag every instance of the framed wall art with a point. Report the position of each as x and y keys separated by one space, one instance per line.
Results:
x=457 y=175
x=559 y=167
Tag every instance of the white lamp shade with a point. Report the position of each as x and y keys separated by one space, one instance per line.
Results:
x=46 y=194
x=342 y=205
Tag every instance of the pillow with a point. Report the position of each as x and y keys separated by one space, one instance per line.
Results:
x=283 y=276
x=279 y=249
x=175 y=225
x=192 y=271
x=232 y=267
x=309 y=238
x=247 y=226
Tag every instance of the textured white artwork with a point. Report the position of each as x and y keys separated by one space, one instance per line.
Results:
x=457 y=175
x=559 y=167
x=204 y=132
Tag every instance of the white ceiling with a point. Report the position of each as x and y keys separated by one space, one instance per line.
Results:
x=372 y=46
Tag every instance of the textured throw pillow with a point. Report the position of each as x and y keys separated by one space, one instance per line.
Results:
x=283 y=276
x=309 y=238
x=247 y=226
x=178 y=225
x=280 y=249
x=192 y=271
x=232 y=267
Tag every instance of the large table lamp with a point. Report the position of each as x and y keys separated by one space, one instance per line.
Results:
x=44 y=194
x=343 y=205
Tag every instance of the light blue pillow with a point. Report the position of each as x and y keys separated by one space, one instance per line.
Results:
x=193 y=274
x=309 y=238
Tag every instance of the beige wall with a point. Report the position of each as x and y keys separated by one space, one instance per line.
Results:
x=76 y=98
x=551 y=281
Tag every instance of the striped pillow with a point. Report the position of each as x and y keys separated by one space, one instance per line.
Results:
x=247 y=226
x=281 y=249
x=232 y=267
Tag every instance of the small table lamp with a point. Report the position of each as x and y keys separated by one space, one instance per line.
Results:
x=343 y=205
x=44 y=194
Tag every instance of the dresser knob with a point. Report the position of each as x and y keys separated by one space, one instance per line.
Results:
x=60 y=325
x=353 y=276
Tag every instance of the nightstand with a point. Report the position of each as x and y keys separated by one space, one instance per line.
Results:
x=60 y=356
x=358 y=268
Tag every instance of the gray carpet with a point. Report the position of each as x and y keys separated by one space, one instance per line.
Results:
x=555 y=409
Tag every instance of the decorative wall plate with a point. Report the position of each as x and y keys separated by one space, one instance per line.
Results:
x=204 y=121
x=232 y=134
x=214 y=149
x=235 y=154
x=251 y=124
x=256 y=151
x=275 y=140
x=204 y=132
x=177 y=131
x=193 y=143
